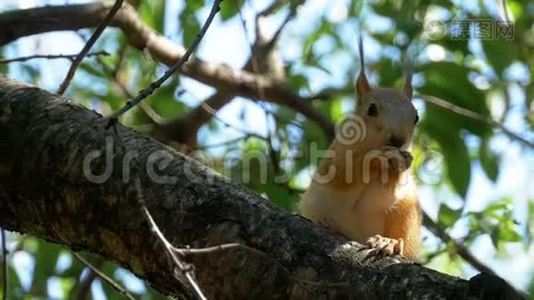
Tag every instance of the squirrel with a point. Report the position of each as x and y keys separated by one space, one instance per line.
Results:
x=361 y=189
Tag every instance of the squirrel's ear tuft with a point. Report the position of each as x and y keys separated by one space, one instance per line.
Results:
x=408 y=89
x=361 y=84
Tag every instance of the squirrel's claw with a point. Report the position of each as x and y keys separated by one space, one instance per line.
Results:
x=385 y=246
x=399 y=159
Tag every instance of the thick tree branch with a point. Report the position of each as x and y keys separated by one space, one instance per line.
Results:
x=54 y=185
x=263 y=61
x=20 y=23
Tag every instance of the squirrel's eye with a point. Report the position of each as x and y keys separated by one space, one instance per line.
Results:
x=416 y=119
x=372 y=110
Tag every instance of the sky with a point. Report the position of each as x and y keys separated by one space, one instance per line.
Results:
x=517 y=163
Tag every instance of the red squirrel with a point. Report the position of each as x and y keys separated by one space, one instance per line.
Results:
x=370 y=198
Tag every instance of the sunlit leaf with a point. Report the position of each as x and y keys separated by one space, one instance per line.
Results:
x=153 y=13
x=230 y=8
x=448 y=216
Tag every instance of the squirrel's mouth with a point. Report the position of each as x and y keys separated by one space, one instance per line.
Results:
x=396 y=142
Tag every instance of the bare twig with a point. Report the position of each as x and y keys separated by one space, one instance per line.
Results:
x=185 y=268
x=174 y=68
x=92 y=40
x=212 y=249
x=277 y=4
x=222 y=144
x=70 y=57
x=85 y=284
x=256 y=70
x=460 y=249
x=4 y=263
x=149 y=112
x=104 y=277
x=475 y=116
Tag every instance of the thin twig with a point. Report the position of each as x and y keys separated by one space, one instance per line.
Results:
x=149 y=112
x=4 y=263
x=185 y=268
x=70 y=57
x=92 y=40
x=104 y=277
x=212 y=249
x=175 y=68
x=213 y=112
x=460 y=249
x=85 y=284
x=476 y=116
x=277 y=4
x=269 y=46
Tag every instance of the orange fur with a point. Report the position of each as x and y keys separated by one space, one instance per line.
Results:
x=403 y=220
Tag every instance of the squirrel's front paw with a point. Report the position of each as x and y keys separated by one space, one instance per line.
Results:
x=385 y=246
x=398 y=159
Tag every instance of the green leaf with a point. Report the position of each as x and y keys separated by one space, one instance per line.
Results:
x=91 y=69
x=164 y=102
x=390 y=73
x=489 y=161
x=281 y=196
x=153 y=14
x=45 y=264
x=230 y=8
x=500 y=54
x=530 y=222
x=325 y=28
x=454 y=151
x=450 y=82
x=356 y=7
x=448 y=216
x=189 y=21
x=196 y=5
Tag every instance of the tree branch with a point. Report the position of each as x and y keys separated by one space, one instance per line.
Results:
x=20 y=23
x=4 y=263
x=70 y=57
x=65 y=178
x=460 y=249
x=97 y=272
x=475 y=116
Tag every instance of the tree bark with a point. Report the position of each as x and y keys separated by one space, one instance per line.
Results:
x=46 y=190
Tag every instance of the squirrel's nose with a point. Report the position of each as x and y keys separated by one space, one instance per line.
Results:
x=396 y=142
